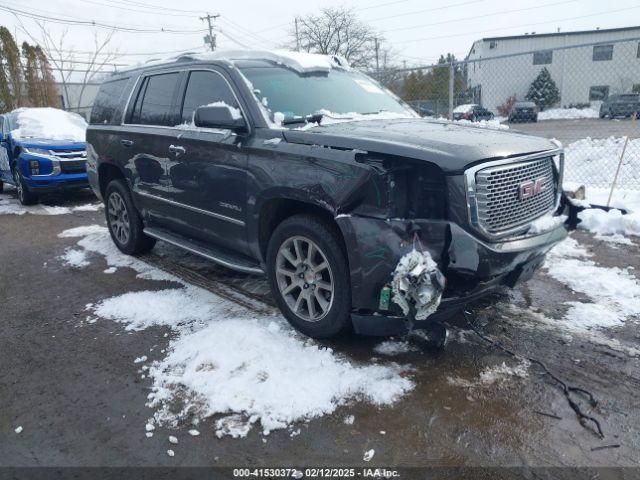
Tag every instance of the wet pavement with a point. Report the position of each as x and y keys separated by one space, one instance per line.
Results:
x=76 y=392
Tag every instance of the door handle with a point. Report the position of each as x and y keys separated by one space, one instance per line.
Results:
x=177 y=149
x=126 y=143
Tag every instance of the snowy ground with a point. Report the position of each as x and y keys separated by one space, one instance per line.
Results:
x=225 y=360
x=567 y=113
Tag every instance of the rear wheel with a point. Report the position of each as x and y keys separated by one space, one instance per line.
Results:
x=124 y=220
x=1 y=187
x=24 y=195
x=309 y=276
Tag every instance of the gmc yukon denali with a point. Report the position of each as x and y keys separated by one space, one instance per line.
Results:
x=294 y=165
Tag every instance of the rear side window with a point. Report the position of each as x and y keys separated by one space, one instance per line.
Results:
x=155 y=100
x=106 y=107
x=203 y=88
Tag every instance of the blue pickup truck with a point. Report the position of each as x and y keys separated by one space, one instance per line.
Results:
x=42 y=150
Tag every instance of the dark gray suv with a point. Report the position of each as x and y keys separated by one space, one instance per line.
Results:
x=624 y=105
x=298 y=167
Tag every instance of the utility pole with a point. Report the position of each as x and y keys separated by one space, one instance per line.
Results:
x=211 y=38
x=297 y=36
x=377 y=45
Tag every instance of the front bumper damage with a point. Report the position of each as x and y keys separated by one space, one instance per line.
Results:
x=472 y=267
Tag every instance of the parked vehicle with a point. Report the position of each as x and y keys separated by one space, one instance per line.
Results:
x=620 y=105
x=42 y=150
x=523 y=112
x=471 y=112
x=295 y=166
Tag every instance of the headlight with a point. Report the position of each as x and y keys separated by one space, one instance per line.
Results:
x=38 y=151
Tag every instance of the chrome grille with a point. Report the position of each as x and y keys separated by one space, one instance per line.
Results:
x=499 y=206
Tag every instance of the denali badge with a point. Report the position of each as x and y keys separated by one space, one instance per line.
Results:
x=531 y=188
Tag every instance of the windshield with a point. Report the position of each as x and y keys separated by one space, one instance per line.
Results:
x=299 y=95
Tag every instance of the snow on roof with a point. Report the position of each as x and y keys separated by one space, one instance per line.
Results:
x=301 y=62
x=49 y=123
x=464 y=108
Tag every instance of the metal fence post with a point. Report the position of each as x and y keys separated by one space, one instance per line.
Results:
x=451 y=78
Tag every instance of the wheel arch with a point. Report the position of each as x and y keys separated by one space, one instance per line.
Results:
x=274 y=211
x=106 y=173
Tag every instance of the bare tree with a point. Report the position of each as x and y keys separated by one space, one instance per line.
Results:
x=63 y=59
x=337 y=31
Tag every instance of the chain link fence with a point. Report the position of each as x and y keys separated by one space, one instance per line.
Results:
x=586 y=96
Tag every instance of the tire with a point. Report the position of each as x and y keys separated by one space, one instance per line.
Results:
x=124 y=221
x=312 y=309
x=1 y=187
x=24 y=195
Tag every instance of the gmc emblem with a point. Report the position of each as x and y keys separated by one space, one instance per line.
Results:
x=531 y=188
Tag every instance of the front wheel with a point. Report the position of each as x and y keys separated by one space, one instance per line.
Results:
x=24 y=195
x=124 y=221
x=309 y=276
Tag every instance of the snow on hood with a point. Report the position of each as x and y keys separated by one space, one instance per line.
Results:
x=48 y=123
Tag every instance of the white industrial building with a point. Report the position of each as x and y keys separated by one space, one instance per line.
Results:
x=586 y=66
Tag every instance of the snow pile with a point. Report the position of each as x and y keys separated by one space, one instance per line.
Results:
x=492 y=375
x=225 y=361
x=546 y=222
x=49 y=123
x=301 y=62
x=593 y=162
x=567 y=113
x=391 y=348
x=611 y=225
x=262 y=370
x=10 y=205
x=615 y=292
x=75 y=258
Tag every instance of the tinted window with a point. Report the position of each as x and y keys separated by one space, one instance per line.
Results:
x=602 y=53
x=155 y=99
x=543 y=57
x=599 y=92
x=106 y=105
x=205 y=88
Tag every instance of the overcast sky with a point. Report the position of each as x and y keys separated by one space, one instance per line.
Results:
x=419 y=31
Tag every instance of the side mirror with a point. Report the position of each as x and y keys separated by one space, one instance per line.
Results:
x=219 y=116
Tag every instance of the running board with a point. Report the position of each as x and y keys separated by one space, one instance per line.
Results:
x=229 y=260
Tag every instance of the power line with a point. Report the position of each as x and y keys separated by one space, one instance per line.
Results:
x=445 y=7
x=157 y=7
x=516 y=26
x=146 y=11
x=211 y=38
x=503 y=12
x=92 y=23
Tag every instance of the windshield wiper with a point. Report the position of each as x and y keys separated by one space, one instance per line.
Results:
x=315 y=118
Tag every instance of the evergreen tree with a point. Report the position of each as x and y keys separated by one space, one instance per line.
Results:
x=11 y=79
x=32 y=82
x=543 y=91
x=50 y=95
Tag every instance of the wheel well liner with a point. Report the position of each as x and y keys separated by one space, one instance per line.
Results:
x=106 y=173
x=276 y=210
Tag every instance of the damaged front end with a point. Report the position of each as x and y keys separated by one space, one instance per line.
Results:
x=411 y=233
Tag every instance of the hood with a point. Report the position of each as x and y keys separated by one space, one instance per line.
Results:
x=451 y=146
x=50 y=144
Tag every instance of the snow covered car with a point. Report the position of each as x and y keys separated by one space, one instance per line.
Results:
x=471 y=112
x=298 y=167
x=42 y=150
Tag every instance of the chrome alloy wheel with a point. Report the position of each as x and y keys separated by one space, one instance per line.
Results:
x=119 y=218
x=304 y=278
